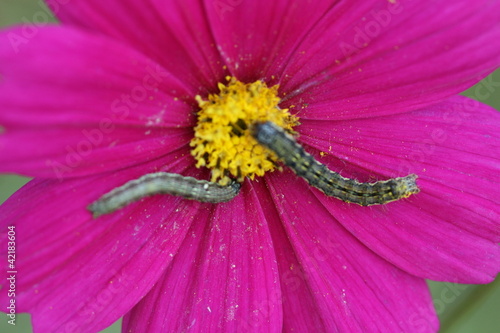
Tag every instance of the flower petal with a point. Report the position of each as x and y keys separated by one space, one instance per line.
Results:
x=450 y=230
x=223 y=279
x=78 y=151
x=354 y=289
x=377 y=58
x=301 y=311
x=84 y=272
x=257 y=38
x=84 y=104
x=173 y=33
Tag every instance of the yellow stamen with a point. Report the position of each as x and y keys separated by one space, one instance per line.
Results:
x=222 y=139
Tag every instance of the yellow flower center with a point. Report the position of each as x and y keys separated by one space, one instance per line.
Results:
x=222 y=138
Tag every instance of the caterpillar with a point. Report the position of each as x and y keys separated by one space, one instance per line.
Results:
x=163 y=183
x=329 y=182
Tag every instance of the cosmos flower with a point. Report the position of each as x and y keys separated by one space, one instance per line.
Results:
x=114 y=92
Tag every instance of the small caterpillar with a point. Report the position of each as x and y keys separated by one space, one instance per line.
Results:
x=163 y=183
x=331 y=183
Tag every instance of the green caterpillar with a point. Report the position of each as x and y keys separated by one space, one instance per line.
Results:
x=331 y=183
x=163 y=183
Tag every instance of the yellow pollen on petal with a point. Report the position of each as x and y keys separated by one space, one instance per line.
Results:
x=223 y=141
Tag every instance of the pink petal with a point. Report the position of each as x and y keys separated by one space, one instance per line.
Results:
x=450 y=230
x=84 y=272
x=84 y=150
x=301 y=311
x=223 y=279
x=77 y=107
x=317 y=55
x=257 y=38
x=354 y=289
x=175 y=34
x=385 y=57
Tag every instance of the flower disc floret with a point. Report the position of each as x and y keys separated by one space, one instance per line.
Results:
x=222 y=139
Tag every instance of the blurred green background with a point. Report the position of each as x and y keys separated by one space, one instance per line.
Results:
x=462 y=308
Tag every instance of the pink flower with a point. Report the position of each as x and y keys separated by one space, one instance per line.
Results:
x=110 y=95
